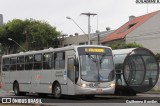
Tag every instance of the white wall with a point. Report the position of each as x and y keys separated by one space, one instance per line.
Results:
x=147 y=34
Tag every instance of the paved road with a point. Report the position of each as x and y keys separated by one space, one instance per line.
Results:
x=99 y=100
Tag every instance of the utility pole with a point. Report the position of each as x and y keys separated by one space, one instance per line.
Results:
x=89 y=27
x=98 y=38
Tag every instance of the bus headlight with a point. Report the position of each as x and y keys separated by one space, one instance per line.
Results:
x=111 y=85
x=83 y=85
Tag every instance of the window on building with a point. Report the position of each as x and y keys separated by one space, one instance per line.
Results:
x=13 y=62
x=29 y=62
x=131 y=25
x=47 y=60
x=126 y=28
x=38 y=61
x=20 y=63
x=6 y=64
x=59 y=60
x=82 y=43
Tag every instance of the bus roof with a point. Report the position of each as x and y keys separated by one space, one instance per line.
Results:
x=122 y=51
x=53 y=50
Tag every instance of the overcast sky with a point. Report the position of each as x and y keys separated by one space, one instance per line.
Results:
x=111 y=13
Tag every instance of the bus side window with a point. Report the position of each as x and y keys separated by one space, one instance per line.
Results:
x=6 y=64
x=20 y=63
x=38 y=61
x=13 y=62
x=59 y=60
x=29 y=62
x=47 y=60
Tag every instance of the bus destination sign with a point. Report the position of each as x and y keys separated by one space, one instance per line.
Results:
x=97 y=50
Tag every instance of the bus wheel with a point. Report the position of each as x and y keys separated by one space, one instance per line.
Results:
x=42 y=95
x=16 y=89
x=57 y=90
x=89 y=96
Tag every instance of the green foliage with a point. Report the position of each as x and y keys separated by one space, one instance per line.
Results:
x=26 y=32
x=157 y=56
x=124 y=45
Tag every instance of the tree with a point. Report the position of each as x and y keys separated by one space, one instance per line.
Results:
x=157 y=56
x=26 y=32
x=124 y=45
x=13 y=29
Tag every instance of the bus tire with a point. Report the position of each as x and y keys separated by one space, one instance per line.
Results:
x=23 y=93
x=16 y=89
x=42 y=95
x=133 y=94
x=89 y=96
x=57 y=90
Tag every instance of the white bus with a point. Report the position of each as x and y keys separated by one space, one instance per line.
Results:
x=73 y=70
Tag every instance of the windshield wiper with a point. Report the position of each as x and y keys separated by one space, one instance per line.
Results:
x=102 y=57
x=92 y=58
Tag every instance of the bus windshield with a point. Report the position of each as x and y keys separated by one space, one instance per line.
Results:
x=96 y=67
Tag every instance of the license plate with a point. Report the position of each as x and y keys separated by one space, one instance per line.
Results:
x=98 y=90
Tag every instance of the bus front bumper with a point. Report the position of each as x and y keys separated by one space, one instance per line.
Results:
x=87 y=90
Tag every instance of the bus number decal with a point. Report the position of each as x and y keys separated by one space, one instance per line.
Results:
x=59 y=74
x=37 y=76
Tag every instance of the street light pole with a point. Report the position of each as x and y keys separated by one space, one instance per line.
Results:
x=89 y=27
x=76 y=24
x=17 y=44
x=89 y=30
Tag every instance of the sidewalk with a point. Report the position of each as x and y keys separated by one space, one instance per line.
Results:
x=151 y=92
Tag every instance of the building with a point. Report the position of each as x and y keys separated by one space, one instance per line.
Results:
x=74 y=40
x=1 y=19
x=144 y=30
x=101 y=36
x=83 y=39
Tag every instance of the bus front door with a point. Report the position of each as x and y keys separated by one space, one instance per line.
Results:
x=71 y=75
